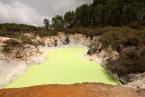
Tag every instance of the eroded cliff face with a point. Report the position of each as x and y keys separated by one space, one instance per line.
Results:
x=75 y=90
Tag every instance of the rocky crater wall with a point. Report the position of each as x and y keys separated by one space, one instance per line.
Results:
x=29 y=48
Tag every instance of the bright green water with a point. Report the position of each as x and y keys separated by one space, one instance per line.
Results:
x=63 y=66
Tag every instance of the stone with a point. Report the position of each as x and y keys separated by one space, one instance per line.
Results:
x=91 y=51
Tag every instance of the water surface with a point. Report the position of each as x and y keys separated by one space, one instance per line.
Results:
x=63 y=66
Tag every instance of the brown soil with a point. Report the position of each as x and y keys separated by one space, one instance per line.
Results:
x=75 y=90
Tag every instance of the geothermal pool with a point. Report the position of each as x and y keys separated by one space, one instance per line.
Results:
x=63 y=66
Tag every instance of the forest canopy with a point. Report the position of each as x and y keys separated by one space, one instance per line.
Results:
x=105 y=13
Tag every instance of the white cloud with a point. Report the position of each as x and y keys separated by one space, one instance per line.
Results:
x=17 y=12
x=34 y=11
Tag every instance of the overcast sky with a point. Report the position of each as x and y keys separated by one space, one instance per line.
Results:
x=34 y=11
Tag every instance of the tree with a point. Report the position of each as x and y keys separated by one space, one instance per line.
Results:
x=69 y=19
x=95 y=2
x=106 y=13
x=46 y=24
x=82 y=15
x=98 y=14
x=57 y=22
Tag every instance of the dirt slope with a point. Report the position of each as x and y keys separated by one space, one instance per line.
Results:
x=75 y=90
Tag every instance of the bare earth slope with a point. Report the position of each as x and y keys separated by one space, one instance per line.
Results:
x=75 y=90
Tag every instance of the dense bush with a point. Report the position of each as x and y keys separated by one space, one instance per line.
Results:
x=119 y=37
x=12 y=27
x=130 y=44
x=131 y=61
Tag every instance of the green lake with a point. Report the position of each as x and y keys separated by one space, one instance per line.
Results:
x=63 y=66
